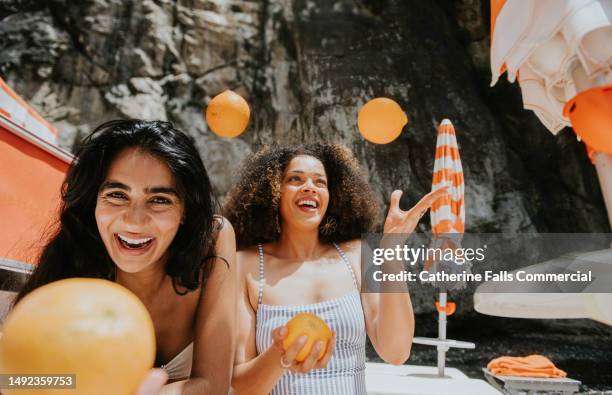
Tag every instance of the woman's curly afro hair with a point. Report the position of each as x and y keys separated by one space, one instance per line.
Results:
x=252 y=205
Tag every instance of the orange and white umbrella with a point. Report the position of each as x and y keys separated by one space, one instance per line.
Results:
x=32 y=168
x=448 y=213
x=448 y=223
x=560 y=52
x=14 y=108
x=556 y=48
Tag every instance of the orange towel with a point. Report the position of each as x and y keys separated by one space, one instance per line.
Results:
x=531 y=366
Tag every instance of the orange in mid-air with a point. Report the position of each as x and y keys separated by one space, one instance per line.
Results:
x=381 y=120
x=306 y=324
x=228 y=114
x=94 y=329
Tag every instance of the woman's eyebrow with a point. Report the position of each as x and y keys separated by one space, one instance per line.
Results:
x=301 y=172
x=114 y=185
x=167 y=190
x=156 y=189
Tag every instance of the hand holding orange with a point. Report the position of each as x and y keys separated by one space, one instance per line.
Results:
x=92 y=328
x=228 y=114
x=310 y=325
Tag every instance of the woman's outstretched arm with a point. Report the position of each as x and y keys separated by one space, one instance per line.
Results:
x=389 y=315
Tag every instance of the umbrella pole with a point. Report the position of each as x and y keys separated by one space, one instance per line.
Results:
x=603 y=165
x=442 y=334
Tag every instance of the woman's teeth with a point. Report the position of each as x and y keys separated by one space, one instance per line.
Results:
x=309 y=203
x=134 y=243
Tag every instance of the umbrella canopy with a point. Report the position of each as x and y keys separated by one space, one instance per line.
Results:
x=448 y=213
x=556 y=48
x=495 y=299
x=14 y=108
x=447 y=222
x=32 y=169
x=560 y=52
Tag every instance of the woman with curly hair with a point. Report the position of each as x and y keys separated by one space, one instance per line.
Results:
x=298 y=213
x=137 y=208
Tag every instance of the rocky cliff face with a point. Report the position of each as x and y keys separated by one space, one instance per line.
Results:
x=306 y=67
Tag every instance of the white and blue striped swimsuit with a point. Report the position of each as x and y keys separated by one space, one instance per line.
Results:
x=345 y=371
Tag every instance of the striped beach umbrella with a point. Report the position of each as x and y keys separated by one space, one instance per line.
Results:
x=448 y=225
x=448 y=213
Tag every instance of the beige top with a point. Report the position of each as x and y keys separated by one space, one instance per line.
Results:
x=179 y=368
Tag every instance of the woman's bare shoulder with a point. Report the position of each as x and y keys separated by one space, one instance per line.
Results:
x=247 y=260
x=222 y=227
x=352 y=250
x=247 y=253
x=350 y=246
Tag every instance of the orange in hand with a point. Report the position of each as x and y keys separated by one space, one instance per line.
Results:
x=381 y=120
x=92 y=328
x=306 y=324
x=228 y=114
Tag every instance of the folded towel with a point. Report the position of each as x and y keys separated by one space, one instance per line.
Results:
x=530 y=366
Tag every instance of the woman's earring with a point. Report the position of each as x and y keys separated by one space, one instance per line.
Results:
x=328 y=226
x=277 y=225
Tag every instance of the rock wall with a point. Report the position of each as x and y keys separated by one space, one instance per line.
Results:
x=306 y=67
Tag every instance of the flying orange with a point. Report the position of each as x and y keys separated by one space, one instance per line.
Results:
x=381 y=120
x=228 y=114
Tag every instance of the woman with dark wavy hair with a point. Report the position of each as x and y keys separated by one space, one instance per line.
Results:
x=138 y=209
x=299 y=213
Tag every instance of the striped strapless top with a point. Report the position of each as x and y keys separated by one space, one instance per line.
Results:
x=345 y=371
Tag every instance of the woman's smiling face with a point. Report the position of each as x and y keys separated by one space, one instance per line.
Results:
x=304 y=192
x=138 y=210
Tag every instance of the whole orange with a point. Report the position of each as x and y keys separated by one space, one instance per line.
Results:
x=228 y=114
x=92 y=328
x=381 y=120
x=306 y=324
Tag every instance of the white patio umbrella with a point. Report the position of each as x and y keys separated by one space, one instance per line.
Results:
x=491 y=299
x=561 y=53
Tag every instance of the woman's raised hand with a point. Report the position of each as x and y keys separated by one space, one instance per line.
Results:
x=400 y=221
x=287 y=358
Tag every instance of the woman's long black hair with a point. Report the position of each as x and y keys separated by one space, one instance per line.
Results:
x=76 y=248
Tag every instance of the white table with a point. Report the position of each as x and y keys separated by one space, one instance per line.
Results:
x=385 y=379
